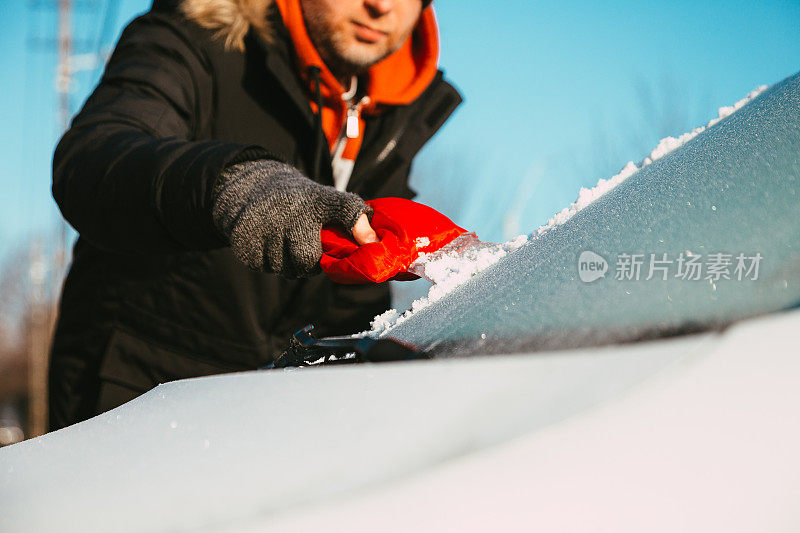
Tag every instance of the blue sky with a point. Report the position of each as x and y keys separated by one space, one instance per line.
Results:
x=557 y=95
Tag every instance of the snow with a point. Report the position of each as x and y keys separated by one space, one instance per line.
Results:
x=270 y=449
x=461 y=260
x=707 y=444
x=422 y=242
x=446 y=269
x=217 y=453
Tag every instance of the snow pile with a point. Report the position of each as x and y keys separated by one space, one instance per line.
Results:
x=446 y=268
x=460 y=260
x=665 y=146
x=466 y=256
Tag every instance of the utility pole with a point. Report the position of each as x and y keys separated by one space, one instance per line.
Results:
x=64 y=69
x=46 y=273
x=39 y=327
x=64 y=72
x=42 y=313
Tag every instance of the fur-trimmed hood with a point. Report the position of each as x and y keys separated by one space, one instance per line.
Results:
x=230 y=19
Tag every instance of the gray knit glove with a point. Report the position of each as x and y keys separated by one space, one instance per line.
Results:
x=272 y=216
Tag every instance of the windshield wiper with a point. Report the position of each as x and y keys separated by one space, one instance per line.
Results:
x=305 y=350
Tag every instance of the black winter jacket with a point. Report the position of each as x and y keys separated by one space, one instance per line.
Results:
x=153 y=294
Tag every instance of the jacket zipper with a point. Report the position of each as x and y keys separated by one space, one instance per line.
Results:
x=351 y=126
x=353 y=112
x=350 y=130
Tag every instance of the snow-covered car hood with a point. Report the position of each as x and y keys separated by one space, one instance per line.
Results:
x=707 y=443
x=681 y=417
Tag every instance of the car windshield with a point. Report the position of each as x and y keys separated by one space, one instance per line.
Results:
x=705 y=235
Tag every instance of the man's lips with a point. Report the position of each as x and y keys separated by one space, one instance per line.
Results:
x=367 y=33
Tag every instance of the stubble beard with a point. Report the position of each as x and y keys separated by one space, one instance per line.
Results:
x=344 y=59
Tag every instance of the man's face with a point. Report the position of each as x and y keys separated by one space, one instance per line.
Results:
x=352 y=35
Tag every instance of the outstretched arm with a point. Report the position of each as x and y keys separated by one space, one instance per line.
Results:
x=127 y=175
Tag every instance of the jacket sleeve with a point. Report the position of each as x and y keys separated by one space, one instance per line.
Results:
x=128 y=175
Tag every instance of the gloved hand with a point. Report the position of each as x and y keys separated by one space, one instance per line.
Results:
x=272 y=216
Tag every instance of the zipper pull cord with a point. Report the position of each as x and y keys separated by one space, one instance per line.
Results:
x=351 y=92
x=353 y=109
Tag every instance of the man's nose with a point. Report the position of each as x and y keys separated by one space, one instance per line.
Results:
x=379 y=8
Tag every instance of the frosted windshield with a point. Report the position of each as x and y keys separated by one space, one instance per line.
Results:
x=727 y=201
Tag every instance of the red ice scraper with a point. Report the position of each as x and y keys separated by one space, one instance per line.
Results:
x=405 y=229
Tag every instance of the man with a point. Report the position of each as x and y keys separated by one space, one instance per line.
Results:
x=199 y=173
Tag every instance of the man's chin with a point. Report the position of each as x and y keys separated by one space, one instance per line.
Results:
x=362 y=55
